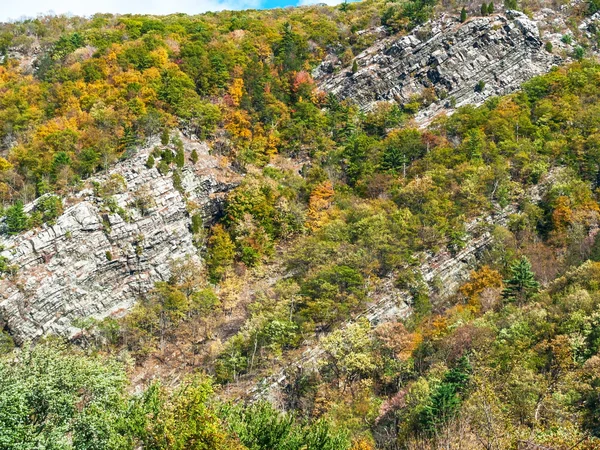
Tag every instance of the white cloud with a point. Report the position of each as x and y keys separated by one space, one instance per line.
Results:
x=14 y=9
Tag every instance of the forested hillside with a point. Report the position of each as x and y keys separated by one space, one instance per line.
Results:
x=334 y=206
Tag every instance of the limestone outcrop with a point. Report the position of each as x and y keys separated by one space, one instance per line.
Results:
x=450 y=63
x=110 y=245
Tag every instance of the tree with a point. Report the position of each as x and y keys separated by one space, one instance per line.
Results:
x=170 y=305
x=354 y=66
x=164 y=137
x=445 y=401
x=490 y=8
x=150 y=162
x=177 y=181
x=320 y=201
x=522 y=284
x=16 y=218
x=402 y=147
x=349 y=353
x=484 y=9
x=463 y=14
x=183 y=419
x=260 y=426
x=57 y=397
x=194 y=156
x=180 y=158
x=221 y=251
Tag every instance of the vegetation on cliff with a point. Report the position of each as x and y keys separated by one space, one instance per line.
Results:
x=353 y=198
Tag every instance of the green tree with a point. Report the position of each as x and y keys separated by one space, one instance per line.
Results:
x=183 y=419
x=164 y=137
x=169 y=305
x=221 y=251
x=463 y=14
x=194 y=156
x=177 y=181
x=349 y=353
x=484 y=9
x=522 y=284
x=261 y=427
x=490 y=8
x=180 y=158
x=354 y=66
x=445 y=401
x=54 y=397
x=50 y=207
x=150 y=162
x=16 y=218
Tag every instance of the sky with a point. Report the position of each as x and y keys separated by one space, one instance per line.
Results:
x=15 y=9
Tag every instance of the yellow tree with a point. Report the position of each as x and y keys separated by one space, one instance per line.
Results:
x=320 y=201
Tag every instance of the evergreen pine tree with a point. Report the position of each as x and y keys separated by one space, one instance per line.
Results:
x=484 y=9
x=164 y=137
x=16 y=219
x=194 y=156
x=150 y=162
x=167 y=156
x=521 y=285
x=490 y=8
x=354 y=67
x=177 y=181
x=463 y=15
x=180 y=158
x=394 y=159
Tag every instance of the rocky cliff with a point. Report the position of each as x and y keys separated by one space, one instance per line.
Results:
x=115 y=239
x=458 y=63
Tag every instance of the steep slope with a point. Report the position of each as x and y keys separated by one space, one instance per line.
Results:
x=443 y=273
x=458 y=63
x=111 y=243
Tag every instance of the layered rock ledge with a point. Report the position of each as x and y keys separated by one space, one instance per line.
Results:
x=104 y=251
x=460 y=63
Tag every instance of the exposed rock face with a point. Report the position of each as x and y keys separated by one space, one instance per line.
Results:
x=454 y=59
x=93 y=262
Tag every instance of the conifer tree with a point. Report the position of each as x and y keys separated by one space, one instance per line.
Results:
x=16 y=218
x=490 y=8
x=180 y=158
x=354 y=67
x=194 y=156
x=463 y=15
x=177 y=181
x=484 y=9
x=150 y=162
x=521 y=285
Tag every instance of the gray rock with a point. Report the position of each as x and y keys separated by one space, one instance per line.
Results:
x=93 y=262
x=501 y=51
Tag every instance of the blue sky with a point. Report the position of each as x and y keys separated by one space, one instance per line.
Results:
x=14 y=9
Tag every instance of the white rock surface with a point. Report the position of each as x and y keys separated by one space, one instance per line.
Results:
x=92 y=262
x=502 y=51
